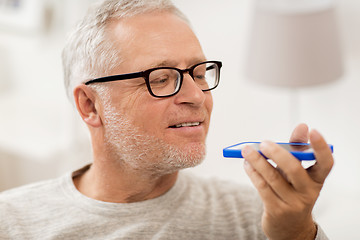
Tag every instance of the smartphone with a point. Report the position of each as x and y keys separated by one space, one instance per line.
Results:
x=302 y=151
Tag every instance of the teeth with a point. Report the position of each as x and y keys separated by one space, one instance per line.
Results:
x=188 y=124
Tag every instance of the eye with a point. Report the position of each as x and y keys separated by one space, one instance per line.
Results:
x=163 y=79
x=200 y=73
x=200 y=76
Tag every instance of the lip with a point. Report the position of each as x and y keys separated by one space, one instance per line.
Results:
x=188 y=131
x=172 y=125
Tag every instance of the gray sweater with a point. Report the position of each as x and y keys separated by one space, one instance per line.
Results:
x=194 y=208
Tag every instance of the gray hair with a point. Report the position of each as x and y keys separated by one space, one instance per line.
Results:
x=88 y=52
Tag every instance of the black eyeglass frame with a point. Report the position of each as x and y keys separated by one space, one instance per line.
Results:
x=145 y=74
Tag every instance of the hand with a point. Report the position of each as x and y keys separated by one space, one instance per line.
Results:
x=289 y=195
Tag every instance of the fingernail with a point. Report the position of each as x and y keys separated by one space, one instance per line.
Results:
x=315 y=135
x=247 y=165
x=264 y=145
x=247 y=150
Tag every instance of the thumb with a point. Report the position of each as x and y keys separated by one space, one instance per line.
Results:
x=300 y=134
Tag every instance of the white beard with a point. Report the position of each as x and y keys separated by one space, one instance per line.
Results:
x=139 y=151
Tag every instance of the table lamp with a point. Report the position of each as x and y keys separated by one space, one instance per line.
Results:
x=294 y=43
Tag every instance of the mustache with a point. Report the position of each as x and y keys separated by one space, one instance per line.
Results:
x=186 y=113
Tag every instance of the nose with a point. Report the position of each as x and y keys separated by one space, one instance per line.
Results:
x=190 y=92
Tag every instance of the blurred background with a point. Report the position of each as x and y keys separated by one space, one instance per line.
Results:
x=42 y=137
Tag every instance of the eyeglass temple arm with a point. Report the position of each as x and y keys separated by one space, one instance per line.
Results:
x=115 y=78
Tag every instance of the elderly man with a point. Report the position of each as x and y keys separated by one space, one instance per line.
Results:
x=141 y=83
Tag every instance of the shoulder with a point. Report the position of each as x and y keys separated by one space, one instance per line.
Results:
x=24 y=199
x=25 y=207
x=28 y=190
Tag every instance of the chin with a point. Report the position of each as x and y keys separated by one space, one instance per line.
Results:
x=190 y=155
x=176 y=158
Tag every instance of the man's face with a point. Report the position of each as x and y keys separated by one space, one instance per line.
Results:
x=147 y=126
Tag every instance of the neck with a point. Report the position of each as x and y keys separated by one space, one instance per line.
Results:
x=108 y=182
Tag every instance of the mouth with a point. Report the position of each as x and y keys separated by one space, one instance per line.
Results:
x=186 y=124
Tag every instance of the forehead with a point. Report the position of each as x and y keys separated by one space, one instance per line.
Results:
x=150 y=39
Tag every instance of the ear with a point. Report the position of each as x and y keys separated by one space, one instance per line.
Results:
x=86 y=104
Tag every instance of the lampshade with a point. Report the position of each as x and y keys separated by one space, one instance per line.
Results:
x=294 y=43
x=4 y=70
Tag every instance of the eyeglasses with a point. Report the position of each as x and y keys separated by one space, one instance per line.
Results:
x=167 y=81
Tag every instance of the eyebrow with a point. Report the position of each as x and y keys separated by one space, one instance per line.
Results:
x=165 y=63
x=168 y=63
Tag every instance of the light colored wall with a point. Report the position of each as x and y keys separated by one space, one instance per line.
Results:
x=41 y=136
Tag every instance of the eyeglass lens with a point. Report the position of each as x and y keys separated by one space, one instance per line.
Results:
x=166 y=81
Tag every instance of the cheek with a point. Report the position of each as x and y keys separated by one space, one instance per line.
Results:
x=131 y=100
x=209 y=103
x=146 y=113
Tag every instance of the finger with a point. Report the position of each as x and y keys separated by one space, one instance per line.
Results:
x=264 y=190
x=289 y=165
x=265 y=177
x=300 y=134
x=324 y=158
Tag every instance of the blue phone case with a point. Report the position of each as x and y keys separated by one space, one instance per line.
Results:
x=232 y=152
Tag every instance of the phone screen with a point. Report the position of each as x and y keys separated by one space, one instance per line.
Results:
x=291 y=147
x=302 y=151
